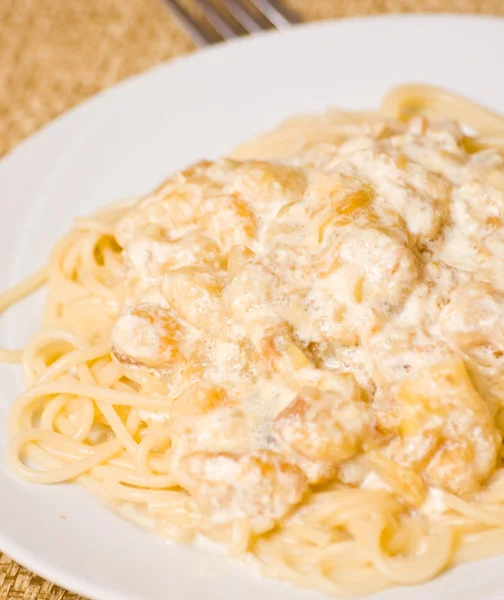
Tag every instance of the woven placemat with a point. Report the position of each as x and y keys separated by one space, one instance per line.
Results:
x=55 y=53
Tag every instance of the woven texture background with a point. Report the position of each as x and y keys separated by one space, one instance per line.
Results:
x=56 y=53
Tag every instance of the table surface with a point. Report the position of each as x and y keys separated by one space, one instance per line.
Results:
x=55 y=53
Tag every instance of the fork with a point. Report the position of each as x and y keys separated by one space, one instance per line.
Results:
x=227 y=19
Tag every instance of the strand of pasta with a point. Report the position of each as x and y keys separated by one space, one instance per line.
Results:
x=405 y=101
x=10 y=356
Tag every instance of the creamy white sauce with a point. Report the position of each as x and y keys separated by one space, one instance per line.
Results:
x=355 y=253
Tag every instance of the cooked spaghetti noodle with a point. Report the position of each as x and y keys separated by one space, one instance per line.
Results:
x=296 y=352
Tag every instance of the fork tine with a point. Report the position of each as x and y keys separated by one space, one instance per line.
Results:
x=242 y=16
x=281 y=16
x=195 y=30
x=216 y=20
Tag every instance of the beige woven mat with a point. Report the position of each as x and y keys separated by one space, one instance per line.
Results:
x=55 y=53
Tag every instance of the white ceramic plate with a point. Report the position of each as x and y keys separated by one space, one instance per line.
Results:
x=124 y=142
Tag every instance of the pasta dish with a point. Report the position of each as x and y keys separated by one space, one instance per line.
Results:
x=296 y=351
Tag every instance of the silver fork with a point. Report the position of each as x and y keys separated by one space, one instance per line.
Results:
x=227 y=19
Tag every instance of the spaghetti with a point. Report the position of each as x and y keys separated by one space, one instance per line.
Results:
x=106 y=373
